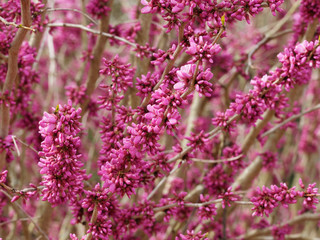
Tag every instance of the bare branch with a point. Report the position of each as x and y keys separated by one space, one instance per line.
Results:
x=271 y=34
x=12 y=71
x=293 y=117
x=84 y=28
x=296 y=220
x=73 y=10
x=29 y=217
x=217 y=161
x=16 y=25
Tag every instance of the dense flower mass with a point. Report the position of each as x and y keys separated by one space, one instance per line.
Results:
x=202 y=50
x=178 y=119
x=60 y=159
x=98 y=8
x=121 y=74
x=266 y=199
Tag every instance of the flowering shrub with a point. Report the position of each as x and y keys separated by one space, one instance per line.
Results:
x=160 y=119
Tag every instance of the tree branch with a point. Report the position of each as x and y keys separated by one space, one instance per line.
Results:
x=12 y=72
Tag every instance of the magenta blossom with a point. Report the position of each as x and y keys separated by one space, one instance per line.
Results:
x=60 y=158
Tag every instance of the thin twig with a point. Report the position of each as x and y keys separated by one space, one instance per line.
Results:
x=180 y=155
x=95 y=61
x=52 y=74
x=15 y=144
x=169 y=66
x=93 y=220
x=16 y=220
x=296 y=220
x=293 y=117
x=197 y=205
x=192 y=83
x=266 y=39
x=174 y=58
x=32 y=189
x=217 y=161
x=25 y=144
x=16 y=25
x=31 y=219
x=254 y=132
x=84 y=28
x=25 y=190
x=162 y=181
x=271 y=34
x=73 y=10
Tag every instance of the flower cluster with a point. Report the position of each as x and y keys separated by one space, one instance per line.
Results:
x=228 y=197
x=207 y=211
x=310 y=10
x=60 y=159
x=279 y=233
x=76 y=93
x=188 y=75
x=234 y=151
x=217 y=180
x=122 y=172
x=6 y=145
x=98 y=9
x=310 y=195
x=146 y=83
x=177 y=12
x=269 y=160
x=197 y=141
x=266 y=199
x=3 y=176
x=223 y=120
x=99 y=201
x=202 y=50
x=120 y=73
x=295 y=69
x=184 y=106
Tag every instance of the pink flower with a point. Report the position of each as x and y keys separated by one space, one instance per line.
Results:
x=98 y=8
x=120 y=73
x=207 y=211
x=60 y=158
x=202 y=50
x=149 y=7
x=269 y=160
x=228 y=197
x=310 y=195
x=263 y=202
x=191 y=235
x=186 y=72
x=3 y=176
